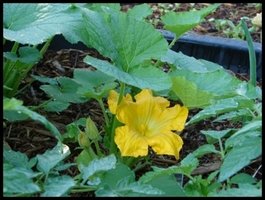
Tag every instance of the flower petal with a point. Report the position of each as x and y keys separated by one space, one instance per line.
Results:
x=113 y=101
x=130 y=143
x=167 y=143
x=139 y=112
x=181 y=117
x=162 y=102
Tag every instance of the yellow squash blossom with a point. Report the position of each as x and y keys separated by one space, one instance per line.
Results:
x=149 y=121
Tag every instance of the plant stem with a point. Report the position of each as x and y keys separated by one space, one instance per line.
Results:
x=140 y=166
x=45 y=47
x=8 y=62
x=173 y=42
x=129 y=161
x=29 y=83
x=40 y=105
x=221 y=148
x=101 y=104
x=252 y=56
x=113 y=148
x=82 y=190
x=15 y=47
x=158 y=62
x=121 y=92
x=97 y=148
x=77 y=189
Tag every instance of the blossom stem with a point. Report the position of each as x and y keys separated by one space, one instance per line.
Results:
x=99 y=153
x=113 y=148
x=130 y=161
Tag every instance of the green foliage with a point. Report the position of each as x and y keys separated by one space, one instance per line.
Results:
x=250 y=148
x=182 y=61
x=18 y=174
x=213 y=136
x=144 y=77
x=247 y=189
x=116 y=36
x=58 y=186
x=27 y=55
x=93 y=84
x=97 y=166
x=20 y=21
x=181 y=22
x=20 y=179
x=16 y=107
x=230 y=29
x=140 y=11
x=17 y=66
x=20 y=29
x=204 y=149
x=52 y=157
x=221 y=106
x=201 y=187
x=242 y=178
x=72 y=130
x=195 y=98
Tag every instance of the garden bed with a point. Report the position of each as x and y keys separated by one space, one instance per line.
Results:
x=32 y=138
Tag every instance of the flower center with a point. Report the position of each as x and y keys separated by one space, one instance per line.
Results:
x=144 y=129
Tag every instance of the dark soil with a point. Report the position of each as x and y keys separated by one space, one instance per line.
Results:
x=32 y=138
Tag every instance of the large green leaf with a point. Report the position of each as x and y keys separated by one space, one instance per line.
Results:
x=237 y=115
x=16 y=158
x=251 y=129
x=140 y=11
x=247 y=191
x=242 y=178
x=123 y=184
x=18 y=180
x=57 y=186
x=17 y=108
x=121 y=171
x=100 y=7
x=98 y=165
x=127 y=41
x=93 y=84
x=213 y=136
x=221 y=106
x=198 y=89
x=180 y=22
x=234 y=161
x=28 y=55
x=218 y=82
x=204 y=149
x=187 y=165
x=189 y=94
x=65 y=91
x=125 y=187
x=56 y=106
x=180 y=60
x=168 y=184
x=52 y=157
x=34 y=23
x=142 y=77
